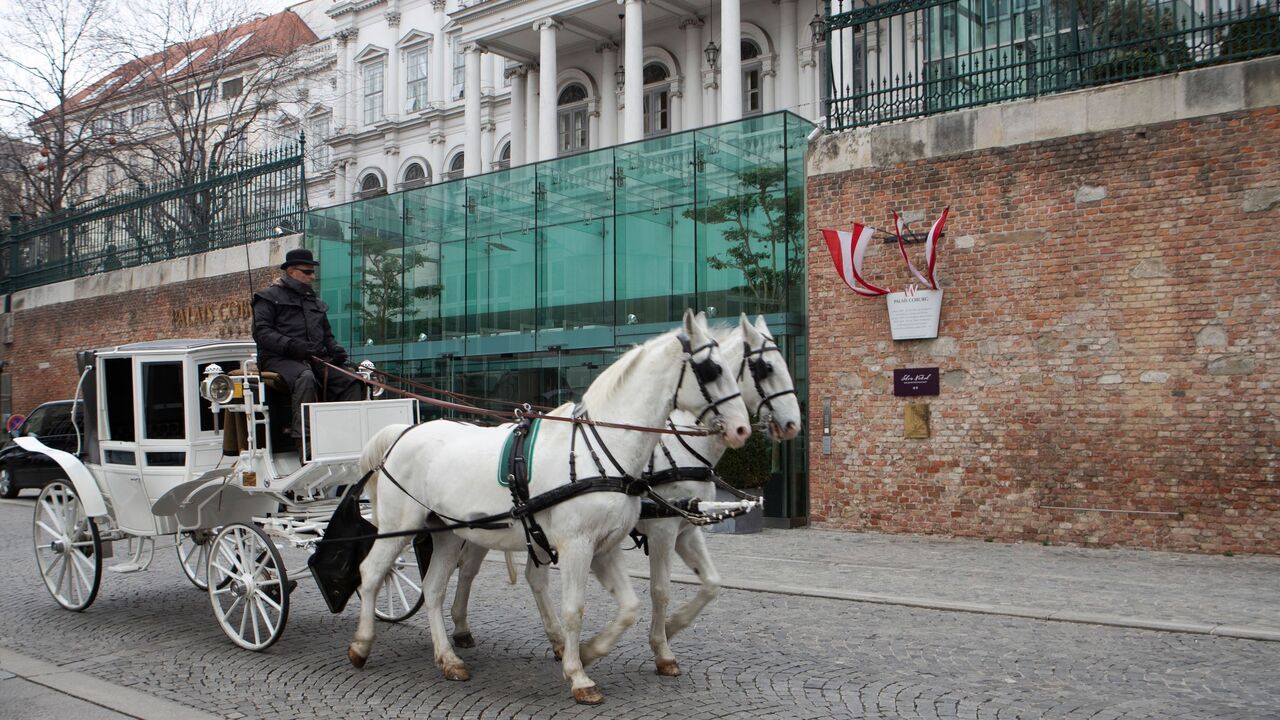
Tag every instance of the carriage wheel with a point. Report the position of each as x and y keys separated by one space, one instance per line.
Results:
x=193 y=555
x=401 y=593
x=68 y=548
x=248 y=586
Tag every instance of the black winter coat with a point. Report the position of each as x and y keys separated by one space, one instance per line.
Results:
x=290 y=326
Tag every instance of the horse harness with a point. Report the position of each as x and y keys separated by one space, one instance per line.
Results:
x=518 y=449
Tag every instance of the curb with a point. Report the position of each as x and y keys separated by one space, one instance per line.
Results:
x=119 y=699
x=1241 y=632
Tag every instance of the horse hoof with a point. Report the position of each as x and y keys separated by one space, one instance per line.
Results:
x=465 y=640
x=668 y=668
x=457 y=672
x=588 y=695
x=356 y=658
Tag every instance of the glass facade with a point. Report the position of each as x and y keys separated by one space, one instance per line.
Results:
x=522 y=284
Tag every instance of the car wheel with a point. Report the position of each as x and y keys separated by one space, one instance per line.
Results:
x=8 y=489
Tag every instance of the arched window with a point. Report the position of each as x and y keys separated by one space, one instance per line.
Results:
x=571 y=119
x=457 y=166
x=415 y=176
x=504 y=158
x=752 y=68
x=657 y=100
x=371 y=185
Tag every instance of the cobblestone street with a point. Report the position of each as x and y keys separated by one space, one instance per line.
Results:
x=752 y=654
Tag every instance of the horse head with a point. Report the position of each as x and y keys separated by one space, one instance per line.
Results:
x=708 y=387
x=766 y=380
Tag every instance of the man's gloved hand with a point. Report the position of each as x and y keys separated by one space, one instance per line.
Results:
x=296 y=350
x=339 y=356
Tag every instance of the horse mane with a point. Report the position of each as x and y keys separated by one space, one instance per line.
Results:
x=607 y=383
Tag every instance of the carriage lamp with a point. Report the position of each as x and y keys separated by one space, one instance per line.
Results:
x=366 y=371
x=216 y=387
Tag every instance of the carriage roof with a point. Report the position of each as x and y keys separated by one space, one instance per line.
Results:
x=172 y=346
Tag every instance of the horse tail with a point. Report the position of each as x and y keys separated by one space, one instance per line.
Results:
x=375 y=451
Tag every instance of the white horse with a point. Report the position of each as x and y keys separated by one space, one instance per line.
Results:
x=447 y=471
x=768 y=388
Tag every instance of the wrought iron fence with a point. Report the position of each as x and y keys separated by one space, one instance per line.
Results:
x=256 y=195
x=906 y=58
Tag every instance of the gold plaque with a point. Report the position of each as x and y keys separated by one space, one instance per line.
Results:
x=915 y=420
x=249 y=478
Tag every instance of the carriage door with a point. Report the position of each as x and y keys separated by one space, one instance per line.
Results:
x=118 y=423
x=163 y=444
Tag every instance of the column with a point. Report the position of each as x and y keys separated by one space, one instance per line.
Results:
x=343 y=38
x=633 y=81
x=692 y=62
x=730 y=60
x=547 y=72
x=531 y=115
x=768 y=88
x=518 y=113
x=486 y=74
x=608 y=95
x=788 y=69
x=710 y=82
x=392 y=93
x=440 y=65
x=471 y=111
x=340 y=181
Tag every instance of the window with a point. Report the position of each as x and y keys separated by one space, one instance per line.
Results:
x=414 y=176
x=371 y=185
x=233 y=46
x=318 y=142
x=373 y=92
x=119 y=121
x=139 y=115
x=185 y=62
x=752 y=97
x=117 y=388
x=232 y=88
x=415 y=97
x=657 y=100
x=459 y=73
x=185 y=101
x=457 y=167
x=162 y=403
x=504 y=158
x=571 y=119
x=207 y=95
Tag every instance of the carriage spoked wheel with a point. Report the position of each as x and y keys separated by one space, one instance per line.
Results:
x=68 y=547
x=401 y=593
x=248 y=586
x=193 y=555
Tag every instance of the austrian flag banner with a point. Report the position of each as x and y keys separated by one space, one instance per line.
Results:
x=913 y=311
x=847 y=249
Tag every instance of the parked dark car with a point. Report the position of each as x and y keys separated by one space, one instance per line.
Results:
x=51 y=424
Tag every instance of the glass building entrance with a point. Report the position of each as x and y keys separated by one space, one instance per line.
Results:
x=521 y=284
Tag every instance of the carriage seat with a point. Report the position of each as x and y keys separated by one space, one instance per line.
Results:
x=235 y=430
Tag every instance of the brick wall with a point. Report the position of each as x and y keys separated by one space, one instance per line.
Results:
x=1108 y=340
x=41 y=358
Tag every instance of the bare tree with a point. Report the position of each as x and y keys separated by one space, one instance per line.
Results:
x=209 y=77
x=53 y=97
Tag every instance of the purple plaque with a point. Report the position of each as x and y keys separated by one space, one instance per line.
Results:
x=908 y=382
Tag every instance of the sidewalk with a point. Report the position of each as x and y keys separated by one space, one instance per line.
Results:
x=1208 y=594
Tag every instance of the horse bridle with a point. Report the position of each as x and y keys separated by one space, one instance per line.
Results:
x=761 y=368
x=705 y=372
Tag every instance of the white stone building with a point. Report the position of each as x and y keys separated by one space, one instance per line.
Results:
x=427 y=90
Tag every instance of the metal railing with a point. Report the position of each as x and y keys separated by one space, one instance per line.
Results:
x=257 y=195
x=907 y=58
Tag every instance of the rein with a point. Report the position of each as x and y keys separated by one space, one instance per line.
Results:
x=517 y=414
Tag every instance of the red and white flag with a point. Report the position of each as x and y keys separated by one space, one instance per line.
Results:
x=847 y=249
x=930 y=249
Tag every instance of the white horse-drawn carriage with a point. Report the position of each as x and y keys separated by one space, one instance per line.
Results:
x=564 y=486
x=216 y=479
